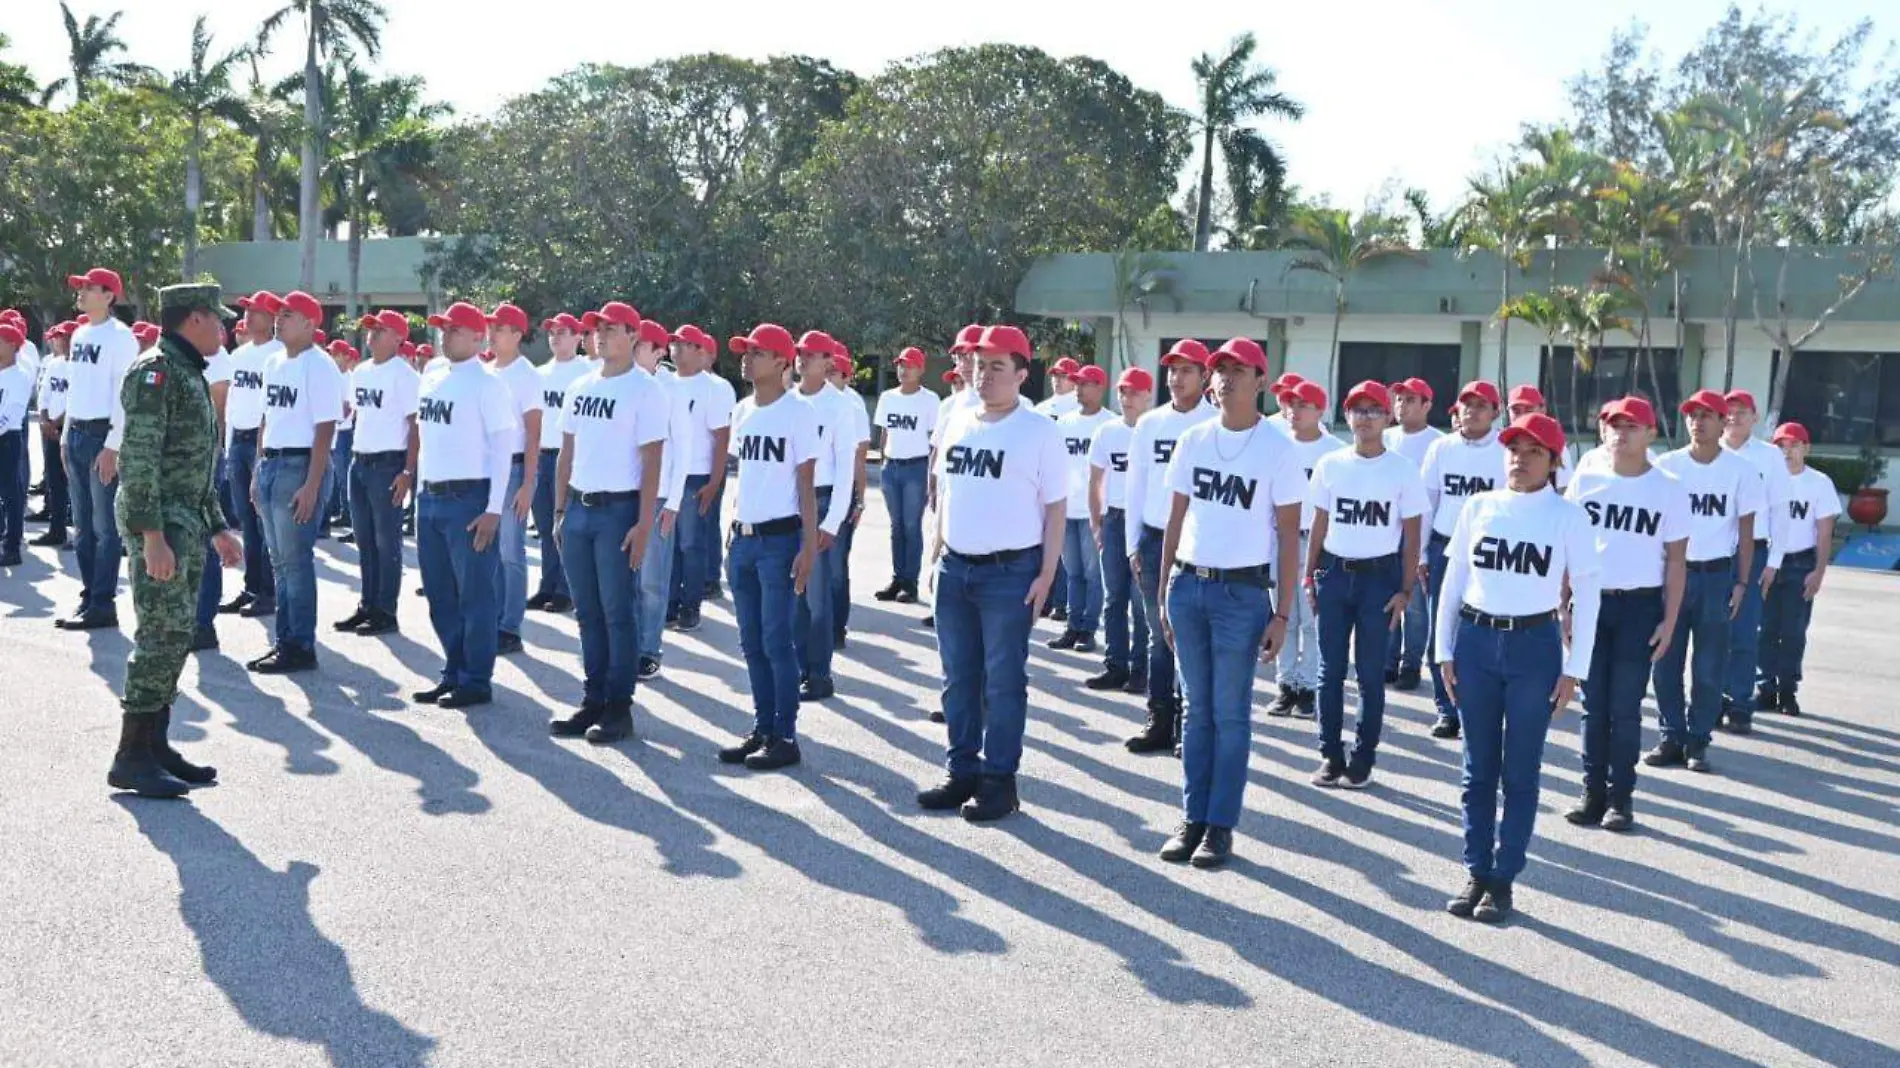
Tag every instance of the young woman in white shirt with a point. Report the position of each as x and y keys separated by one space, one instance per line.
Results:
x=1801 y=539
x=1467 y=461
x=1640 y=517
x=384 y=394
x=906 y=417
x=1235 y=490
x=1361 y=565
x=1124 y=620
x=1501 y=650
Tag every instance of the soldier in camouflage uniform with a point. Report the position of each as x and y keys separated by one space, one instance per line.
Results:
x=167 y=507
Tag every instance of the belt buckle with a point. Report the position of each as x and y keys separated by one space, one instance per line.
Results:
x=1205 y=573
x=746 y=530
x=1505 y=623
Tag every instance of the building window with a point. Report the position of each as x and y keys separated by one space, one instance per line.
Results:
x=1390 y=362
x=1618 y=372
x=1845 y=398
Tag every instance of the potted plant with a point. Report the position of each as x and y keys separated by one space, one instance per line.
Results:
x=1867 y=503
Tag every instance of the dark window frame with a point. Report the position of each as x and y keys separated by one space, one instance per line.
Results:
x=1553 y=377
x=1402 y=360
x=1816 y=390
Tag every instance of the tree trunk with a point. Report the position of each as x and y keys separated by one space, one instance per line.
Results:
x=356 y=241
x=1731 y=314
x=1332 y=356
x=260 y=205
x=1204 y=214
x=1504 y=324
x=194 y=198
x=308 y=213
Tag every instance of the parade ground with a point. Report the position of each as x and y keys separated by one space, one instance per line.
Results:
x=376 y=884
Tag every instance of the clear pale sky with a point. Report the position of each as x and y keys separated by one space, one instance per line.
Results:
x=1396 y=90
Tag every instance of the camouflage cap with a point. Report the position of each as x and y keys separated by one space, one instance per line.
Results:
x=206 y=295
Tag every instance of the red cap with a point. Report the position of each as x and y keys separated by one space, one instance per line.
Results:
x=1372 y=391
x=1243 y=349
x=426 y=351
x=302 y=304
x=319 y=337
x=816 y=342
x=615 y=311
x=462 y=314
x=1066 y=367
x=262 y=301
x=145 y=331
x=1540 y=428
x=12 y=315
x=843 y=365
x=590 y=322
x=1482 y=390
x=98 y=276
x=506 y=314
x=843 y=350
x=967 y=339
x=387 y=319
x=652 y=332
x=1306 y=393
x=562 y=321
x=1705 y=398
x=1417 y=387
x=1005 y=341
x=59 y=330
x=1284 y=382
x=771 y=337
x=1738 y=397
x=1791 y=432
x=1527 y=395
x=1635 y=409
x=910 y=357
x=12 y=335
x=693 y=335
x=1186 y=350
x=952 y=376
x=1091 y=375
x=1136 y=378
x=339 y=346
x=406 y=349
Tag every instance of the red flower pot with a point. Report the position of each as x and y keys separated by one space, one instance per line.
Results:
x=1868 y=506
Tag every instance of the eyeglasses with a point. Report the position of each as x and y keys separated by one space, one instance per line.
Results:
x=1365 y=413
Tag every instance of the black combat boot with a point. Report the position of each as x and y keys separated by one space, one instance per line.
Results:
x=954 y=790
x=1589 y=810
x=576 y=725
x=1157 y=735
x=135 y=766
x=995 y=798
x=1187 y=838
x=616 y=723
x=177 y=766
x=1467 y=900
x=1496 y=906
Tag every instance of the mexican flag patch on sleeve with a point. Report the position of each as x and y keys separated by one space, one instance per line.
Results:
x=154 y=378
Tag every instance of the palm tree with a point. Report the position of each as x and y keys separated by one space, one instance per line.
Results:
x=1639 y=223
x=1508 y=218
x=1338 y=245
x=384 y=140
x=1434 y=230
x=331 y=28
x=1256 y=180
x=202 y=90
x=17 y=86
x=91 y=48
x=1141 y=278
x=266 y=117
x=1588 y=316
x=1233 y=90
x=1547 y=310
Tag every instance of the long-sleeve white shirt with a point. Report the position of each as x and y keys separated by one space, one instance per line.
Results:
x=1509 y=555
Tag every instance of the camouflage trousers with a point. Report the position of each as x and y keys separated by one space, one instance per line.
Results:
x=167 y=618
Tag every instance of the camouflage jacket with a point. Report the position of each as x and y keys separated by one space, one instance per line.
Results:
x=168 y=460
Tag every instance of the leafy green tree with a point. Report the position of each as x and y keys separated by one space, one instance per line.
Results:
x=91 y=50
x=383 y=145
x=1338 y=245
x=1234 y=91
x=18 y=88
x=1509 y=217
x=203 y=92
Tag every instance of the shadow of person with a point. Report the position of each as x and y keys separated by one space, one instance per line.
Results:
x=443 y=785
x=262 y=948
x=254 y=712
x=23 y=589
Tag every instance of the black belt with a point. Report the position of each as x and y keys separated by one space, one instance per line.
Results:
x=519 y=458
x=1003 y=557
x=1723 y=563
x=1761 y=543
x=90 y=426
x=906 y=460
x=386 y=454
x=245 y=435
x=1145 y=527
x=786 y=525
x=1259 y=575
x=1486 y=619
x=1438 y=539
x=1366 y=563
x=454 y=485
x=602 y=497
x=555 y=451
x=273 y=454
x=1640 y=591
x=1112 y=510
x=1805 y=556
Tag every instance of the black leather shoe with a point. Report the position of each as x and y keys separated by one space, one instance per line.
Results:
x=281 y=661
x=560 y=603
x=1767 y=701
x=777 y=753
x=1496 y=906
x=1109 y=679
x=379 y=623
x=616 y=723
x=1187 y=838
x=1467 y=900
x=1408 y=680
x=1215 y=848
x=259 y=608
x=815 y=691
x=1330 y=773
x=1283 y=702
x=236 y=604
x=1136 y=684
x=1446 y=727
x=536 y=603
x=576 y=725
x=889 y=593
x=204 y=639
x=1667 y=754
x=135 y=766
x=995 y=798
x=952 y=791
x=1059 y=614
x=930 y=622
x=432 y=694
x=1084 y=642
x=352 y=621
x=51 y=539
x=1790 y=705
x=1589 y=810
x=1618 y=819
x=90 y=621
x=464 y=697
x=1157 y=735
x=507 y=643
x=736 y=754
x=169 y=759
x=1066 y=640
x=688 y=621
x=907 y=595
x=936 y=716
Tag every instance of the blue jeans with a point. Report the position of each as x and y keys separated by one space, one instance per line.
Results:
x=814 y=629
x=292 y=547
x=1704 y=621
x=463 y=586
x=1435 y=558
x=1406 y=646
x=983 y=626
x=240 y=470
x=1160 y=657
x=1505 y=679
x=760 y=573
x=1084 y=565
x=1613 y=694
x=378 y=527
x=1298 y=663
x=716 y=545
x=14 y=480
x=338 y=508
x=841 y=578
x=1744 y=636
x=690 y=535
x=1121 y=604
x=904 y=484
x=96 y=544
x=603 y=588
x=513 y=539
x=1059 y=589
x=1784 y=631
x=652 y=586
x=1352 y=617
x=59 y=506
x=1218 y=627
x=211 y=590
x=553 y=577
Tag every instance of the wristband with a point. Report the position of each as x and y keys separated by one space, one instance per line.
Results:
x=1283 y=617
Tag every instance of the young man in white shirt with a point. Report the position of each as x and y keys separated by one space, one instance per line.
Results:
x=1235 y=489
x=843 y=370
x=1062 y=399
x=1797 y=564
x=1411 y=436
x=814 y=625
x=1458 y=466
x=1361 y=568
x=698 y=532
x=1149 y=502
x=1529 y=400
x=906 y=418
x=1298 y=667
x=1004 y=476
x=774 y=542
x=384 y=394
x=1280 y=390
x=1124 y=620
x=1744 y=632
x=1726 y=501
x=467 y=423
x=507 y=326
x=243 y=415
x=303 y=399
x=337 y=511
x=57 y=508
x=567 y=367
x=654 y=586
x=1640 y=517
x=1081 y=557
x=961 y=398
x=16 y=391
x=102 y=349
x=610 y=472
x=217 y=376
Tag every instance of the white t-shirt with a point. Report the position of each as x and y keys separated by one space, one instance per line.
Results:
x=524 y=384
x=1509 y=555
x=859 y=413
x=996 y=478
x=1078 y=436
x=1109 y=452
x=384 y=396
x=1366 y=501
x=300 y=393
x=610 y=418
x=556 y=377
x=1412 y=446
x=838 y=456
x=1233 y=480
x=1058 y=405
x=1721 y=492
x=710 y=399
x=244 y=404
x=463 y=419
x=96 y=365
x=771 y=442
x=218 y=369
x=1148 y=497
x=1603 y=458
x=16 y=390
x=1634 y=517
x=965 y=401
x=908 y=420
x=1809 y=498
x=1309 y=453
x=28 y=358
x=1456 y=469
x=436 y=363
x=1768 y=460
x=53 y=387
x=679 y=427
